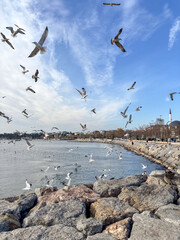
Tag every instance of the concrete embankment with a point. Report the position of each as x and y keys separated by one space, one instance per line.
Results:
x=165 y=154
x=136 y=207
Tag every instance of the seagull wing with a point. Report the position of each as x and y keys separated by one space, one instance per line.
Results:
x=10 y=44
x=34 y=52
x=130 y=117
x=126 y=110
x=120 y=31
x=81 y=125
x=3 y=36
x=11 y=29
x=18 y=31
x=126 y=124
x=27 y=142
x=133 y=84
x=84 y=91
x=79 y=91
x=116 y=4
x=22 y=67
x=106 y=3
x=44 y=36
x=120 y=46
x=19 y=27
x=36 y=73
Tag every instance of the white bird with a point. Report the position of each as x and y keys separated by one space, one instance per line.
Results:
x=39 y=45
x=5 y=39
x=83 y=127
x=124 y=113
x=30 y=89
x=15 y=32
x=83 y=93
x=29 y=146
x=68 y=175
x=28 y=186
x=116 y=40
x=24 y=69
x=56 y=168
x=90 y=158
x=143 y=166
x=132 y=87
x=35 y=76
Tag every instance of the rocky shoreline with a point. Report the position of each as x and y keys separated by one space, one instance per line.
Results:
x=165 y=154
x=136 y=207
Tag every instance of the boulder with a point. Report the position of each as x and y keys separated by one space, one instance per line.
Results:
x=43 y=191
x=89 y=226
x=67 y=213
x=120 y=230
x=44 y=233
x=169 y=213
x=101 y=236
x=149 y=228
x=110 y=210
x=8 y=222
x=148 y=196
x=112 y=188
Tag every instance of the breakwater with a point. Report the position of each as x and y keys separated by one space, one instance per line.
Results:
x=165 y=154
x=134 y=207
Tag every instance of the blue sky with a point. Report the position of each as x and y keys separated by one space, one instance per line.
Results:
x=79 y=54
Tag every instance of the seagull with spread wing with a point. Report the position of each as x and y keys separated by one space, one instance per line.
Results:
x=124 y=113
x=54 y=128
x=39 y=45
x=132 y=87
x=138 y=108
x=24 y=112
x=5 y=39
x=30 y=89
x=116 y=40
x=171 y=95
x=35 y=76
x=83 y=93
x=29 y=146
x=15 y=32
x=93 y=110
x=24 y=69
x=83 y=127
x=129 y=121
x=112 y=4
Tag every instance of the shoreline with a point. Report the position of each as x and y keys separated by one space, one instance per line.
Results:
x=162 y=153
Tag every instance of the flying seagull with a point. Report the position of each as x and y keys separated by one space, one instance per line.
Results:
x=116 y=41
x=112 y=4
x=143 y=166
x=68 y=175
x=93 y=110
x=24 y=69
x=83 y=127
x=171 y=95
x=24 y=112
x=124 y=113
x=83 y=93
x=90 y=158
x=28 y=186
x=138 y=108
x=54 y=128
x=56 y=168
x=132 y=87
x=4 y=39
x=39 y=45
x=35 y=76
x=129 y=121
x=15 y=32
x=30 y=89
x=29 y=146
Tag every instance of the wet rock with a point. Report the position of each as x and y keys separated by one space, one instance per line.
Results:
x=169 y=213
x=145 y=227
x=89 y=226
x=112 y=188
x=67 y=213
x=110 y=210
x=148 y=196
x=101 y=236
x=59 y=231
x=8 y=222
x=120 y=230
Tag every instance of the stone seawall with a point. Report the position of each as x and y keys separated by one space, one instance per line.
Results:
x=165 y=154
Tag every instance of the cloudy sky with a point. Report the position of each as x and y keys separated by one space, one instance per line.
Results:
x=79 y=54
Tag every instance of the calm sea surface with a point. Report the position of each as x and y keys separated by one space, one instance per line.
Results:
x=18 y=164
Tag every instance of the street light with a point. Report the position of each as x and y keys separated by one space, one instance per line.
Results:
x=167 y=130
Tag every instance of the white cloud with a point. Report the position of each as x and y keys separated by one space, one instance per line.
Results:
x=173 y=32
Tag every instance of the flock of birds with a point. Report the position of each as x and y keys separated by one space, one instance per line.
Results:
x=39 y=47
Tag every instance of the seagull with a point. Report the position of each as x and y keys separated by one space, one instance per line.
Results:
x=56 y=168
x=83 y=127
x=2 y=114
x=30 y=89
x=68 y=175
x=24 y=112
x=14 y=33
x=3 y=96
x=35 y=76
x=138 y=108
x=116 y=41
x=24 y=69
x=129 y=121
x=100 y=177
x=83 y=93
x=29 y=146
x=45 y=171
x=124 y=113
x=4 y=39
x=143 y=166
x=49 y=182
x=28 y=186
x=93 y=110
x=39 y=45
x=120 y=155
x=111 y=4
x=132 y=87
x=54 y=128
x=8 y=118
x=90 y=158
x=171 y=95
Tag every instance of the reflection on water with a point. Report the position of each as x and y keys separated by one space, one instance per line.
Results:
x=42 y=162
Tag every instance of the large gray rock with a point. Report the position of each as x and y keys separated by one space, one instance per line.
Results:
x=148 y=196
x=67 y=213
x=57 y=232
x=110 y=210
x=112 y=188
x=8 y=222
x=89 y=226
x=146 y=227
x=101 y=236
x=169 y=213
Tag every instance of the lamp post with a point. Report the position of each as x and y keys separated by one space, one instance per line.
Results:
x=167 y=130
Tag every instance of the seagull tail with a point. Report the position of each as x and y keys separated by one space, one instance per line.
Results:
x=43 y=50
